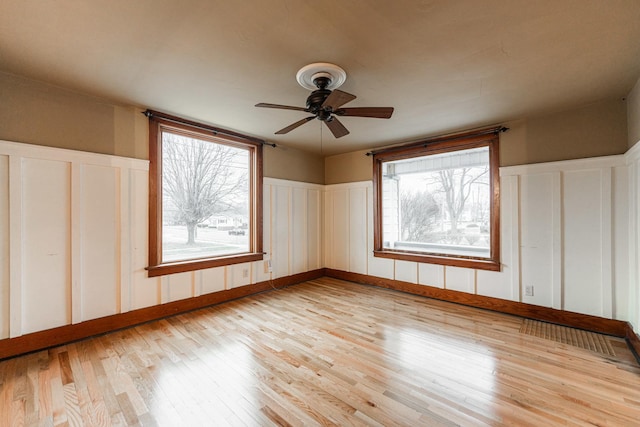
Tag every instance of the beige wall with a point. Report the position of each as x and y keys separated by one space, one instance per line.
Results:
x=349 y=167
x=597 y=129
x=633 y=115
x=288 y=163
x=37 y=113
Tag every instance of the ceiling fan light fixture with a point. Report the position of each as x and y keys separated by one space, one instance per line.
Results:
x=307 y=74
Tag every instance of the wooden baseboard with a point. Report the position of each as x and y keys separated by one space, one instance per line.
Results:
x=633 y=340
x=65 y=334
x=587 y=322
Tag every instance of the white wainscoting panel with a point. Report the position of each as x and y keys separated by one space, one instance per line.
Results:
x=4 y=247
x=460 y=279
x=74 y=238
x=299 y=231
x=46 y=244
x=357 y=234
x=536 y=237
x=431 y=275
x=632 y=305
x=583 y=242
x=314 y=228
x=210 y=280
x=99 y=250
x=564 y=229
x=380 y=267
x=74 y=245
x=406 y=271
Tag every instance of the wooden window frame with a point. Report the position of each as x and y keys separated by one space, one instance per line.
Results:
x=439 y=145
x=160 y=121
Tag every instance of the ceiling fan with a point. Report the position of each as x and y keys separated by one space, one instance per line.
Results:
x=325 y=102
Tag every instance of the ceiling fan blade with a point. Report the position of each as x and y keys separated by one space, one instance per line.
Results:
x=336 y=127
x=337 y=99
x=375 y=112
x=295 y=125
x=282 y=107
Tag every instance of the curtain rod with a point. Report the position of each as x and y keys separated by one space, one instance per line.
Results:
x=212 y=129
x=440 y=138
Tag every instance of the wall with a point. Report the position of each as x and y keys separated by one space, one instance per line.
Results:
x=571 y=245
x=633 y=115
x=592 y=130
x=73 y=239
x=38 y=113
x=597 y=129
x=288 y=163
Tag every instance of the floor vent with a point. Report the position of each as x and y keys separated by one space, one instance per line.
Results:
x=592 y=341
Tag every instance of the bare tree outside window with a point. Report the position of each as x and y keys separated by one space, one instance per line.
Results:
x=419 y=215
x=200 y=180
x=444 y=202
x=456 y=185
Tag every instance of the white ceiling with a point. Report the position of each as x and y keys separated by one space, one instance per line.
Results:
x=443 y=64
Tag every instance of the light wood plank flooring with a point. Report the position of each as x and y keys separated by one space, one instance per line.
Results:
x=325 y=352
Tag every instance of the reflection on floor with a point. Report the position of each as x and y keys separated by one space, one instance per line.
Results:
x=326 y=352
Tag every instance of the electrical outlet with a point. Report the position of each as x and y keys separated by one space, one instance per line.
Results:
x=245 y=273
x=269 y=267
x=528 y=291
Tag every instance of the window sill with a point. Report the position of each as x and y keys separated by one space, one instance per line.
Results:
x=201 y=264
x=479 y=264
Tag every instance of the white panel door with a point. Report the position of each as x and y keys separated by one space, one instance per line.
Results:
x=46 y=239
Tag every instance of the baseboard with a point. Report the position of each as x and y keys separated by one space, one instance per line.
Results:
x=633 y=340
x=617 y=328
x=65 y=334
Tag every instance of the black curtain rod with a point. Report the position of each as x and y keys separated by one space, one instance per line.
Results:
x=214 y=130
x=448 y=137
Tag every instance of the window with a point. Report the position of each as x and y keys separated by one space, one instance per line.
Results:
x=437 y=201
x=205 y=196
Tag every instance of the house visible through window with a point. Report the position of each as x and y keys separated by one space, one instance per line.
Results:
x=204 y=193
x=437 y=202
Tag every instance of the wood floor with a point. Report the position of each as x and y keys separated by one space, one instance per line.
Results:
x=325 y=352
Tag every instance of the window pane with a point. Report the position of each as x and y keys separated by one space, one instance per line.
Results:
x=205 y=198
x=438 y=204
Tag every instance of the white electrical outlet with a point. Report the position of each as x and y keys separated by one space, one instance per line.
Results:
x=528 y=291
x=269 y=267
x=245 y=273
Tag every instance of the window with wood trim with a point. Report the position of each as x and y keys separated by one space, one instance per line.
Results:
x=205 y=196
x=438 y=201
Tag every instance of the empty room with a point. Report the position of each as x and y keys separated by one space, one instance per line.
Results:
x=288 y=213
